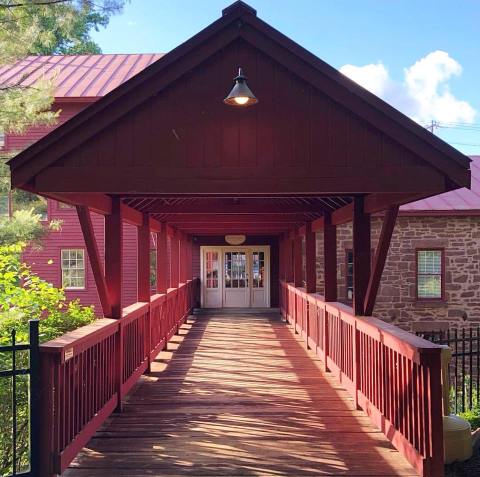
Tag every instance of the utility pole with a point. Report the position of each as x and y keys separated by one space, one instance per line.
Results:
x=432 y=126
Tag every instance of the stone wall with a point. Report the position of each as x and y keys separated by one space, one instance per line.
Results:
x=396 y=302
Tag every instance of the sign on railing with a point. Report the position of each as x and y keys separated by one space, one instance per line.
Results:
x=86 y=373
x=394 y=376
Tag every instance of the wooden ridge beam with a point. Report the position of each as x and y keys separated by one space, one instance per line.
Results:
x=381 y=254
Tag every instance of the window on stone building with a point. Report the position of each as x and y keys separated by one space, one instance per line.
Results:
x=349 y=272
x=73 y=269
x=349 y=275
x=430 y=274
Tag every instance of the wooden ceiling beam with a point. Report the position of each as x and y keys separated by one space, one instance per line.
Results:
x=257 y=207
x=407 y=179
x=234 y=219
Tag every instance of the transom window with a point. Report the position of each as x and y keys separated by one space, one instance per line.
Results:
x=73 y=269
x=430 y=274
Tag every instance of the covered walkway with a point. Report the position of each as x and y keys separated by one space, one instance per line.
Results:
x=238 y=394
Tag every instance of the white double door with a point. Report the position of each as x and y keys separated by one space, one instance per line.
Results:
x=235 y=277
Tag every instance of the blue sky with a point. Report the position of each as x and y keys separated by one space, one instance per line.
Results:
x=422 y=56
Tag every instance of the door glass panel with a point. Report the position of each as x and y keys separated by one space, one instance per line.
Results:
x=258 y=269
x=211 y=259
x=235 y=270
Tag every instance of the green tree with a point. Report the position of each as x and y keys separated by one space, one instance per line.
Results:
x=41 y=27
x=25 y=296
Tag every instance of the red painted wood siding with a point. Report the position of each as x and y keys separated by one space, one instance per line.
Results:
x=17 y=142
x=70 y=237
x=295 y=137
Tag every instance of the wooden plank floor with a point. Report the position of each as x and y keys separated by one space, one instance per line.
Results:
x=239 y=395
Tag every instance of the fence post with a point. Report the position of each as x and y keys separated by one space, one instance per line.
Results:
x=35 y=410
x=47 y=415
x=446 y=357
x=325 y=333
x=356 y=363
x=432 y=365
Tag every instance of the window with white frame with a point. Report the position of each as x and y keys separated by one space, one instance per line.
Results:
x=73 y=269
x=2 y=138
x=430 y=274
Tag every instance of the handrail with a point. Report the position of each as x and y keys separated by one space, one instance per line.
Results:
x=394 y=376
x=78 y=338
x=86 y=373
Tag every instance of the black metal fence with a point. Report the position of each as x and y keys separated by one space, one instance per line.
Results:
x=464 y=366
x=19 y=411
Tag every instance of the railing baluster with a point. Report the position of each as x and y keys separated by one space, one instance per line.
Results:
x=391 y=373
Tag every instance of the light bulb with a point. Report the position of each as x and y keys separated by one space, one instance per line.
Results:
x=241 y=100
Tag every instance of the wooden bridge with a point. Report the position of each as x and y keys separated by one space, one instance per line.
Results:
x=238 y=394
x=168 y=156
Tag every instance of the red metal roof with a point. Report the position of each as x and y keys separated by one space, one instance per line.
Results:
x=457 y=200
x=78 y=76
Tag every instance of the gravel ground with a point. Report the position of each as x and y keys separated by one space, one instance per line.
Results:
x=469 y=468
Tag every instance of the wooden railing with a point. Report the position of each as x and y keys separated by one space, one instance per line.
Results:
x=393 y=375
x=86 y=373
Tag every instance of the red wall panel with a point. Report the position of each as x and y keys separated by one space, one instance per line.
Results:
x=46 y=261
x=17 y=142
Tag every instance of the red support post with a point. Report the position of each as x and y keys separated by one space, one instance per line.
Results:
x=310 y=259
x=113 y=277
x=143 y=257
x=174 y=261
x=361 y=255
x=380 y=258
x=281 y=258
x=113 y=258
x=330 y=258
x=183 y=259
x=288 y=260
x=94 y=256
x=143 y=279
x=297 y=261
x=162 y=260
x=190 y=258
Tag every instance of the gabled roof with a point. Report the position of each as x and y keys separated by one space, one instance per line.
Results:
x=77 y=76
x=240 y=21
x=455 y=201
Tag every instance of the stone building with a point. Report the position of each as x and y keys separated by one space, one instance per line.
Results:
x=433 y=266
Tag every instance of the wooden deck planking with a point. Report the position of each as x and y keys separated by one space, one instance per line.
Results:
x=238 y=395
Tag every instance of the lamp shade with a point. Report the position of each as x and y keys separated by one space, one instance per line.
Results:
x=240 y=95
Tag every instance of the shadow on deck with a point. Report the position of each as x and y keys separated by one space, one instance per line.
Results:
x=238 y=395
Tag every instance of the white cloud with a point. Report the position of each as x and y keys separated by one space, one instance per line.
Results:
x=424 y=93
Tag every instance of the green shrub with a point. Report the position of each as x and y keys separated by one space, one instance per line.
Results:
x=25 y=296
x=472 y=416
